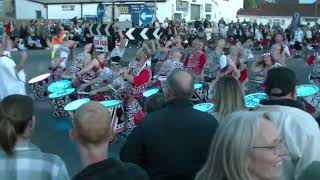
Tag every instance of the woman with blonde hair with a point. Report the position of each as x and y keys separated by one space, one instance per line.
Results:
x=246 y=146
x=228 y=97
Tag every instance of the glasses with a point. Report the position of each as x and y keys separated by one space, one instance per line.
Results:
x=275 y=148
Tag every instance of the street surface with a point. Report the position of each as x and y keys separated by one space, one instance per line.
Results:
x=51 y=134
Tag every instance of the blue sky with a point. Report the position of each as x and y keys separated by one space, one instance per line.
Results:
x=307 y=1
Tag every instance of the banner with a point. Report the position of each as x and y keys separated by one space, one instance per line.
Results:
x=101 y=43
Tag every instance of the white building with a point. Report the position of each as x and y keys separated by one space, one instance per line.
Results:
x=281 y=14
x=129 y=9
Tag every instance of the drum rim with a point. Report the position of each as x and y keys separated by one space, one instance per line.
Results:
x=70 y=90
x=46 y=75
x=194 y=86
x=309 y=85
x=50 y=85
x=113 y=100
x=66 y=108
x=153 y=89
x=211 y=106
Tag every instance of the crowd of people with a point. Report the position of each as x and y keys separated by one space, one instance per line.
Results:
x=165 y=137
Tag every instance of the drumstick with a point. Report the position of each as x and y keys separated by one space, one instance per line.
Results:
x=112 y=88
x=83 y=92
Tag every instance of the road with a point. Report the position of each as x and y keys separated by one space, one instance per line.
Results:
x=51 y=134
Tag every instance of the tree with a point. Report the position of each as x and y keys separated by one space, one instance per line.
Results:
x=249 y=3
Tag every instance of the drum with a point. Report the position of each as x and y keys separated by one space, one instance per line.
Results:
x=74 y=105
x=59 y=86
x=252 y=100
x=150 y=92
x=258 y=80
x=198 y=95
x=314 y=80
x=307 y=90
x=115 y=107
x=204 y=107
x=39 y=85
x=59 y=100
x=307 y=95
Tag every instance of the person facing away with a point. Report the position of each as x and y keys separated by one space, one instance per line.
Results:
x=172 y=143
x=92 y=131
x=19 y=158
x=246 y=146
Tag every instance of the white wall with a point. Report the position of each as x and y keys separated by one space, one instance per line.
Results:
x=90 y=9
x=55 y=12
x=27 y=10
x=228 y=9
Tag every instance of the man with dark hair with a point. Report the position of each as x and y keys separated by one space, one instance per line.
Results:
x=281 y=88
x=172 y=143
x=92 y=131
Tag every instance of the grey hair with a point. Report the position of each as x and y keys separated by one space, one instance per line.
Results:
x=180 y=84
x=228 y=157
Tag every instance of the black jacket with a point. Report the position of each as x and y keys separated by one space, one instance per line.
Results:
x=112 y=169
x=171 y=144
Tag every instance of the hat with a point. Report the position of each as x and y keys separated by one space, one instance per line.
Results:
x=312 y=172
x=280 y=81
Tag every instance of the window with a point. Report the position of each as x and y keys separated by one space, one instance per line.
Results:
x=38 y=15
x=208 y=8
x=69 y=7
x=208 y=17
x=276 y=22
x=182 y=5
x=283 y=22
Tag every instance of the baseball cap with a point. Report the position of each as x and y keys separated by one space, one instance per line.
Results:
x=280 y=81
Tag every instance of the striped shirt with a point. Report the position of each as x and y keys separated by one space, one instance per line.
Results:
x=28 y=162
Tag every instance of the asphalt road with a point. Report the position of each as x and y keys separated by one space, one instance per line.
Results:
x=51 y=134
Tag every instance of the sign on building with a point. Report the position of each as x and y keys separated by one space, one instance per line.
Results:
x=101 y=43
x=182 y=5
x=208 y=7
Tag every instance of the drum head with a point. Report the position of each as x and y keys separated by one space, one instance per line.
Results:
x=150 y=92
x=61 y=93
x=74 y=105
x=59 y=85
x=252 y=100
x=110 y=103
x=39 y=78
x=197 y=86
x=307 y=90
x=203 y=107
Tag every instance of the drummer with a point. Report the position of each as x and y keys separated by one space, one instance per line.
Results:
x=58 y=64
x=172 y=63
x=90 y=71
x=263 y=65
x=138 y=77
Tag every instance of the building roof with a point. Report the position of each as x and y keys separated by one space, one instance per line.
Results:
x=269 y=9
x=87 y=1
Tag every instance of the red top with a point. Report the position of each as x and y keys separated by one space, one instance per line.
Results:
x=194 y=63
x=142 y=78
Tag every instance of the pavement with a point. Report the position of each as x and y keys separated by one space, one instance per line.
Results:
x=51 y=134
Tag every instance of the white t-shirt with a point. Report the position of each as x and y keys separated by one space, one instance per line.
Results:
x=10 y=81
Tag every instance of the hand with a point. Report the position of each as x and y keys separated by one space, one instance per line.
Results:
x=93 y=93
x=168 y=43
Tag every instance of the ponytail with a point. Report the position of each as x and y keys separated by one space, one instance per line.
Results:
x=16 y=111
x=7 y=133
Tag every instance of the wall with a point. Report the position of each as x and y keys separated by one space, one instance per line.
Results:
x=55 y=12
x=89 y=9
x=228 y=9
x=27 y=10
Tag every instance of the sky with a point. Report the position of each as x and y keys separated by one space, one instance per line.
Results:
x=307 y=1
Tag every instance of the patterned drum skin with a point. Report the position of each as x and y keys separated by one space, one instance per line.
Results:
x=59 y=86
x=40 y=84
x=198 y=92
x=59 y=100
x=115 y=107
x=150 y=92
x=74 y=105
x=204 y=107
x=307 y=90
x=252 y=100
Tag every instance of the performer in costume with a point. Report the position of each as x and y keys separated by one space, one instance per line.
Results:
x=58 y=64
x=279 y=51
x=263 y=65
